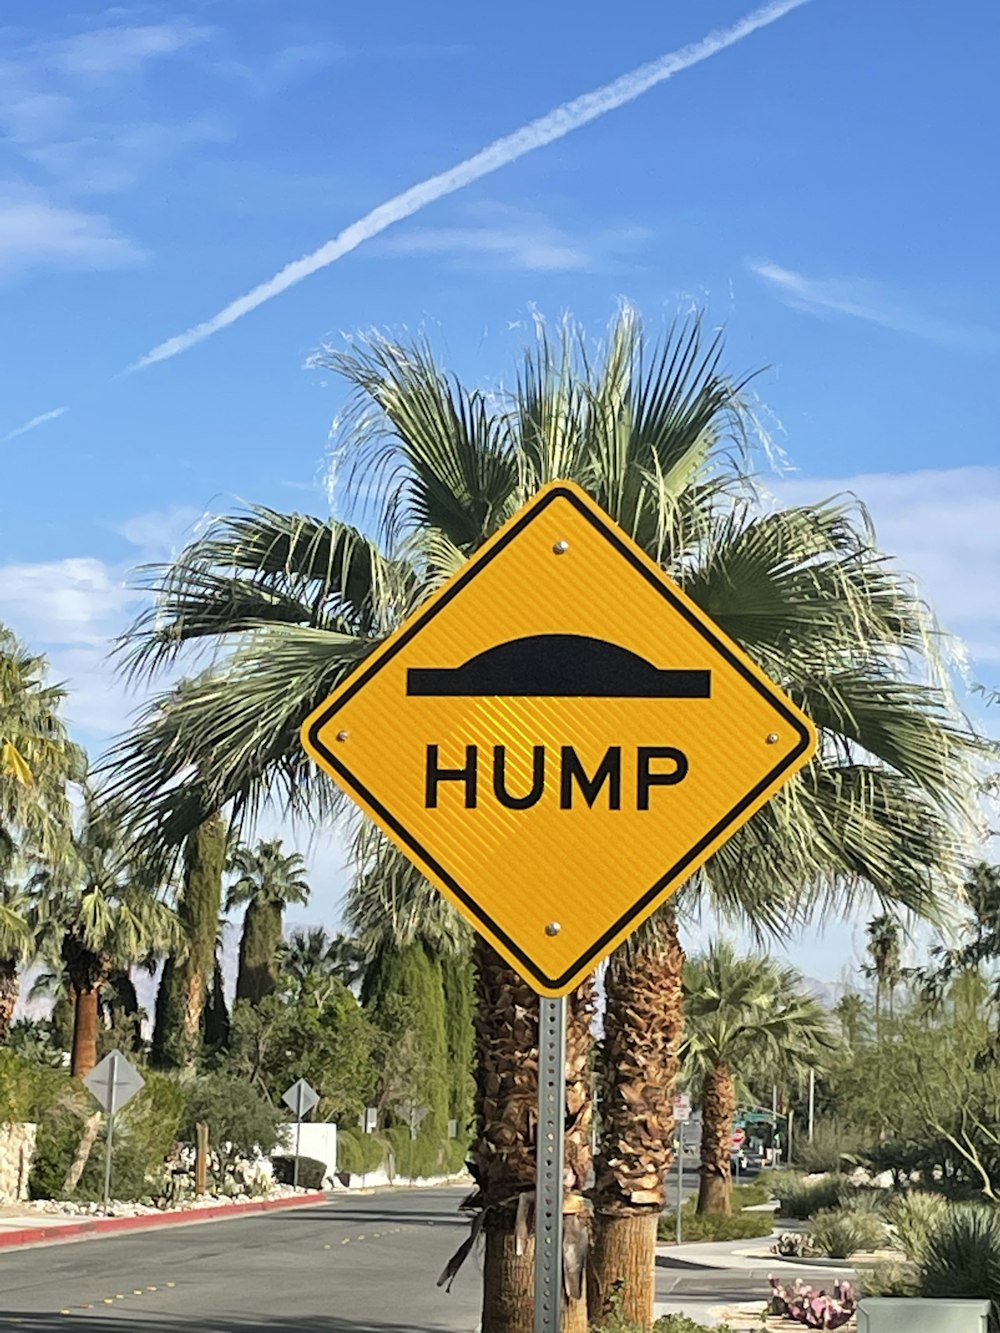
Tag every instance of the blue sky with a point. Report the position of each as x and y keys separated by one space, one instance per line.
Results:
x=823 y=186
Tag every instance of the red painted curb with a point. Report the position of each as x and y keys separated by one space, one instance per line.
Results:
x=97 y=1226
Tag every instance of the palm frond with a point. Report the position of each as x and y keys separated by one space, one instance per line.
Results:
x=229 y=737
x=264 y=568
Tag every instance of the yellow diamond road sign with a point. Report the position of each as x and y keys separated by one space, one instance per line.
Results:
x=558 y=738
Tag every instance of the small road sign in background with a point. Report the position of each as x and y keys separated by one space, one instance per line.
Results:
x=300 y=1098
x=113 y=1082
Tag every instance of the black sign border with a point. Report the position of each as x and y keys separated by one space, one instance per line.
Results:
x=529 y=968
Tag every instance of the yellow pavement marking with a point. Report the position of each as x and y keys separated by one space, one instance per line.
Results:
x=65 y=1311
x=150 y=1288
x=108 y=1300
x=346 y=1240
x=171 y=1284
x=137 y=1291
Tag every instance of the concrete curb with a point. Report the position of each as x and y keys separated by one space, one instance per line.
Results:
x=100 y=1226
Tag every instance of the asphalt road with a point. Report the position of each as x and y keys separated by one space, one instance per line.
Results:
x=359 y=1264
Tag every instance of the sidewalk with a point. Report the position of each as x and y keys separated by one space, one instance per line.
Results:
x=741 y=1269
x=27 y=1226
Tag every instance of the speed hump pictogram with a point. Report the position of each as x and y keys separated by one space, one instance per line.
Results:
x=558 y=738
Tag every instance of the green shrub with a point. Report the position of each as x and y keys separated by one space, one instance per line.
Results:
x=838 y=1233
x=236 y=1116
x=312 y=1172
x=359 y=1153
x=961 y=1257
x=912 y=1216
x=750 y=1196
x=888 y=1278
x=832 y=1148
x=801 y=1199
x=711 y=1226
x=613 y=1322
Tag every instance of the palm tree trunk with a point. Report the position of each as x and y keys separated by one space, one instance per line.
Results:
x=643 y=1024
x=10 y=985
x=718 y=1106
x=85 y=1025
x=503 y=1154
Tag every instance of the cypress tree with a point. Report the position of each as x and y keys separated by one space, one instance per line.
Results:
x=186 y=979
x=259 y=946
x=459 y=1011
x=403 y=991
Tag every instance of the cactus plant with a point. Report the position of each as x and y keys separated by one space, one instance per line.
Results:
x=813 y=1309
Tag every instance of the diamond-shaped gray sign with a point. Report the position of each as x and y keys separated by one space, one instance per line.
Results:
x=114 y=1082
x=301 y=1098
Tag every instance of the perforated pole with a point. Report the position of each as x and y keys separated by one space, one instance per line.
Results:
x=549 y=1165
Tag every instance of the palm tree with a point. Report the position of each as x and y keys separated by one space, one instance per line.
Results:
x=37 y=758
x=268 y=880
x=315 y=955
x=16 y=938
x=883 y=946
x=657 y=439
x=107 y=917
x=851 y=1012
x=741 y=1015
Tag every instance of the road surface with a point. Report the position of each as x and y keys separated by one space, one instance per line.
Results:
x=359 y=1264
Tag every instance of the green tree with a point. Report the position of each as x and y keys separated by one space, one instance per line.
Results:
x=403 y=992
x=742 y=1014
x=657 y=437
x=851 y=1013
x=106 y=916
x=884 y=948
x=188 y=975
x=38 y=761
x=268 y=881
x=313 y=954
x=318 y=1032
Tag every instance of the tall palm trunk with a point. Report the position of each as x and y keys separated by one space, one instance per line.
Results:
x=85 y=1024
x=503 y=1155
x=87 y=972
x=10 y=985
x=718 y=1106
x=643 y=1024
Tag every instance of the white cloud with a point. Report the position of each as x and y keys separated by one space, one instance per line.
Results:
x=76 y=601
x=121 y=49
x=159 y=533
x=34 y=231
x=944 y=527
x=860 y=298
x=35 y=422
x=507 y=238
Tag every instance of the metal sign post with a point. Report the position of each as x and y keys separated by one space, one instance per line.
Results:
x=108 y=1148
x=549 y=1164
x=682 y=1113
x=680 y=1182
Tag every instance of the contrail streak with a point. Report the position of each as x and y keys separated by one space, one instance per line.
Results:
x=40 y=420
x=555 y=125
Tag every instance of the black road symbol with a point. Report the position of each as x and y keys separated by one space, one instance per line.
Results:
x=569 y=666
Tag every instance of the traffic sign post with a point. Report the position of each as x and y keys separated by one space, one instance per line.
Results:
x=113 y=1082
x=682 y=1113
x=300 y=1098
x=558 y=738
